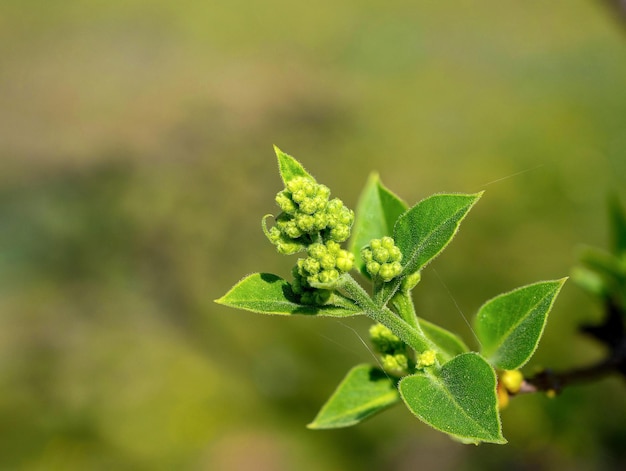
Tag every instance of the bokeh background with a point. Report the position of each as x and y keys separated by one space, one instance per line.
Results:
x=136 y=163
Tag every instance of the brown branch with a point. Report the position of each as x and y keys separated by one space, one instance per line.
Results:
x=611 y=333
x=554 y=382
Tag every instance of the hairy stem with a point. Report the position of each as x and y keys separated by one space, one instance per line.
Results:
x=404 y=331
x=403 y=303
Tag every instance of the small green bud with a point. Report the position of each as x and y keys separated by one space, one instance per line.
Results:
x=334 y=206
x=426 y=359
x=388 y=242
x=311 y=265
x=305 y=223
x=397 y=363
x=327 y=262
x=409 y=282
x=328 y=276
x=372 y=268
x=333 y=247
x=301 y=188
x=388 y=271
x=384 y=340
x=317 y=250
x=381 y=255
x=284 y=244
x=340 y=220
x=340 y=233
x=345 y=261
x=382 y=259
x=285 y=203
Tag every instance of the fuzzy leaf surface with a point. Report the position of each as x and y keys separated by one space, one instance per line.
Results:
x=425 y=230
x=510 y=325
x=377 y=211
x=289 y=167
x=265 y=293
x=364 y=391
x=459 y=399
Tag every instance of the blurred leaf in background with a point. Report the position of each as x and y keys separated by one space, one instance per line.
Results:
x=136 y=163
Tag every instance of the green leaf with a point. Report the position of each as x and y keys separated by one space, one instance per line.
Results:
x=450 y=345
x=289 y=167
x=423 y=231
x=364 y=391
x=270 y=294
x=459 y=399
x=617 y=219
x=510 y=325
x=377 y=211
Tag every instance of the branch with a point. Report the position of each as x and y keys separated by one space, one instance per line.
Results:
x=611 y=333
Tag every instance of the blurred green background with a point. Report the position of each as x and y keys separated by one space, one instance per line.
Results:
x=136 y=163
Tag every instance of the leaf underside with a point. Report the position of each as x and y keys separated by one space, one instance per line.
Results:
x=364 y=391
x=459 y=399
x=265 y=293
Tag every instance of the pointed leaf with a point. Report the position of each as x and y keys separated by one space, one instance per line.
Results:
x=377 y=211
x=364 y=391
x=459 y=399
x=450 y=344
x=423 y=231
x=289 y=167
x=270 y=294
x=510 y=325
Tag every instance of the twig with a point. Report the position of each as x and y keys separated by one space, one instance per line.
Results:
x=611 y=333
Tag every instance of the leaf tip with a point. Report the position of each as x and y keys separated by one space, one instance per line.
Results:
x=478 y=195
x=374 y=176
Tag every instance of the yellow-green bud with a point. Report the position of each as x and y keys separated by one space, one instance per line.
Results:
x=512 y=380
x=382 y=259
x=384 y=340
x=397 y=363
x=426 y=359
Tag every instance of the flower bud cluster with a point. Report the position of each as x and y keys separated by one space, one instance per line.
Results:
x=427 y=358
x=382 y=259
x=307 y=214
x=391 y=348
x=324 y=265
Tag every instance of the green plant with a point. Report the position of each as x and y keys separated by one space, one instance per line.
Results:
x=430 y=369
x=602 y=274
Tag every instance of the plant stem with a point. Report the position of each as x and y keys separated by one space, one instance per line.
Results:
x=551 y=381
x=403 y=303
x=404 y=331
x=612 y=333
